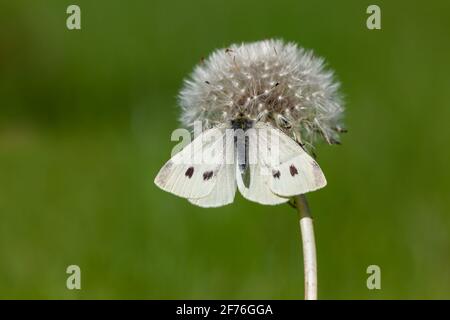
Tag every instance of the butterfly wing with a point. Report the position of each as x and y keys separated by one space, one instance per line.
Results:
x=192 y=173
x=257 y=189
x=301 y=174
x=293 y=172
x=222 y=193
x=224 y=190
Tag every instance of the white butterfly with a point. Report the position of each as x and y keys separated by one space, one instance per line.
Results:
x=267 y=171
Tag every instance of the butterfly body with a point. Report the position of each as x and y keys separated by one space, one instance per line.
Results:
x=240 y=125
x=241 y=122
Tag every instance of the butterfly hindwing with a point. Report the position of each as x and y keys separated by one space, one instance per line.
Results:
x=257 y=189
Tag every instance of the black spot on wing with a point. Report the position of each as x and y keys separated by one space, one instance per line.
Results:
x=189 y=172
x=276 y=174
x=207 y=175
x=293 y=170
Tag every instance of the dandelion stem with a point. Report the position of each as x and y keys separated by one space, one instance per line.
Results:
x=309 y=247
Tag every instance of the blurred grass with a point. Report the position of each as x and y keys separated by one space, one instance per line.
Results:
x=85 y=123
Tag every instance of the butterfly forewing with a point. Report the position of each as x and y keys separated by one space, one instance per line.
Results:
x=293 y=171
x=297 y=176
x=192 y=173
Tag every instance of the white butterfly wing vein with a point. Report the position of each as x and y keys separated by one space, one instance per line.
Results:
x=294 y=171
x=187 y=178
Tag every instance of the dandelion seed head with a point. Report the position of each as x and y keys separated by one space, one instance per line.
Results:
x=272 y=81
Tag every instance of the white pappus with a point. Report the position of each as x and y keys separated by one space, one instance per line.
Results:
x=262 y=105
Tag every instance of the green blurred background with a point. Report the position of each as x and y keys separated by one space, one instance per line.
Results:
x=85 y=124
